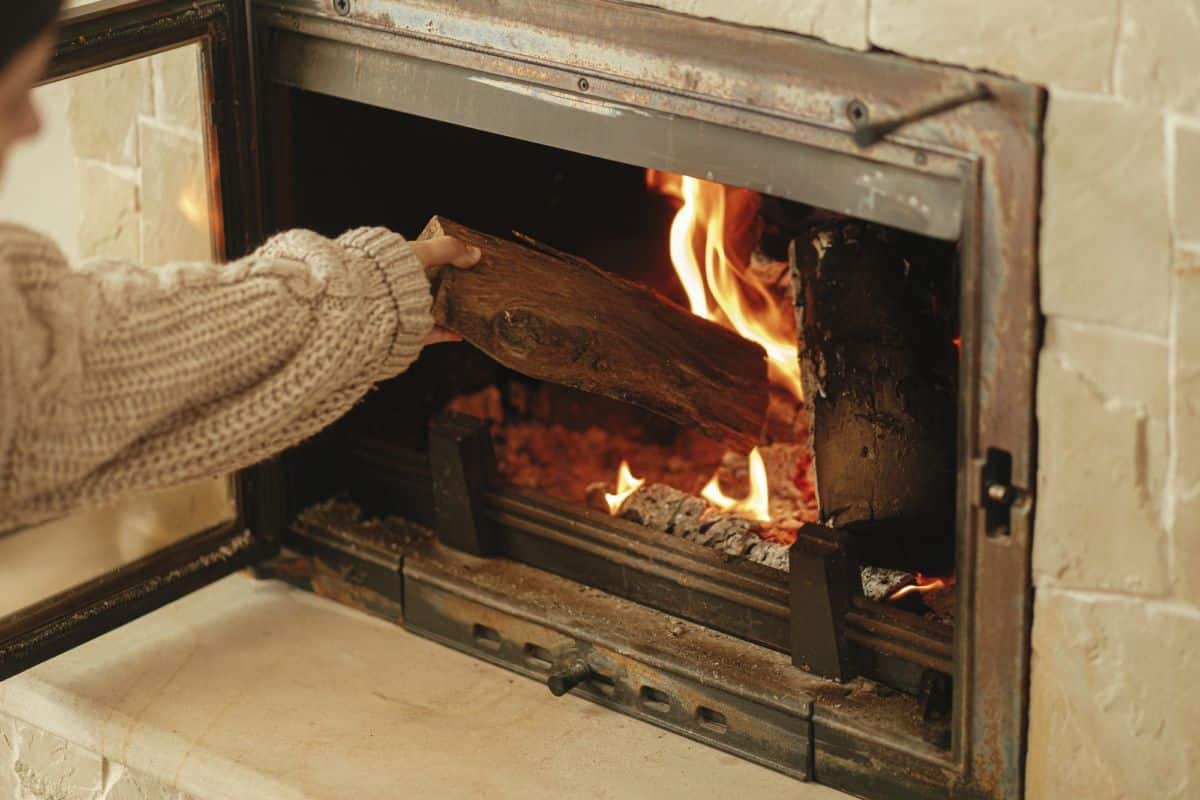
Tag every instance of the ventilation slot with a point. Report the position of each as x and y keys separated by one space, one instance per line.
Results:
x=538 y=657
x=485 y=637
x=712 y=721
x=655 y=700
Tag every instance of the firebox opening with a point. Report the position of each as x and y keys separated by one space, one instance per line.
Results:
x=871 y=310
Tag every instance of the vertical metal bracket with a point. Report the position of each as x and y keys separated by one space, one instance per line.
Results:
x=463 y=467
x=824 y=574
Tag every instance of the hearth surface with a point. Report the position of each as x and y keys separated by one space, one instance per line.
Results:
x=372 y=713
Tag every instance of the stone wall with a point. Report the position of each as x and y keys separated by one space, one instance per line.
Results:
x=35 y=765
x=1115 y=703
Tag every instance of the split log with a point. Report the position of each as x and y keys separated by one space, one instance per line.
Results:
x=561 y=319
x=879 y=372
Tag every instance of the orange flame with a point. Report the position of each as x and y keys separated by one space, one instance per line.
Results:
x=711 y=239
x=756 y=505
x=626 y=485
x=923 y=585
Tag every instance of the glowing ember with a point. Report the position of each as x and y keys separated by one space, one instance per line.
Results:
x=922 y=586
x=626 y=485
x=756 y=506
x=711 y=240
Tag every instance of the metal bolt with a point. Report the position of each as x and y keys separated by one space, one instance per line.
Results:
x=342 y=7
x=584 y=85
x=1000 y=493
x=569 y=677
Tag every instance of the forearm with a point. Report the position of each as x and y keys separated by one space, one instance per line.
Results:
x=152 y=377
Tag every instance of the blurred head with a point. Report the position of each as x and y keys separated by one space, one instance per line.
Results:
x=26 y=46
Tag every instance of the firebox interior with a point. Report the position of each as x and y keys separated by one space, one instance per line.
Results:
x=346 y=164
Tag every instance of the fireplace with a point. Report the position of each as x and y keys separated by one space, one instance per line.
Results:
x=841 y=594
x=848 y=603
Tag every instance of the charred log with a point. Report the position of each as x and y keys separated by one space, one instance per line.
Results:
x=879 y=370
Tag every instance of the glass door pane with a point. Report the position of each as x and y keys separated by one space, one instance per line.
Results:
x=119 y=171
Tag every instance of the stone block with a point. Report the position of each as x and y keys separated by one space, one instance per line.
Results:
x=1158 y=59
x=1185 y=181
x=103 y=111
x=1068 y=44
x=175 y=221
x=109 y=217
x=177 y=88
x=1099 y=524
x=49 y=768
x=842 y=23
x=1185 y=541
x=1105 y=240
x=1114 y=702
x=125 y=784
x=8 y=757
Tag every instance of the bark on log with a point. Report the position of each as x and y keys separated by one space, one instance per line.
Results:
x=561 y=319
x=879 y=371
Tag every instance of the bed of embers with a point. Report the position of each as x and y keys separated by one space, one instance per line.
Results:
x=617 y=459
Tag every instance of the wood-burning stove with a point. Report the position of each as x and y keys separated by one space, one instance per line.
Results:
x=547 y=125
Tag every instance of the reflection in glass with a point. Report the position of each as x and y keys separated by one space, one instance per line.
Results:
x=119 y=172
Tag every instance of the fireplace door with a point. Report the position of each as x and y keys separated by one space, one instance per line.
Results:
x=106 y=49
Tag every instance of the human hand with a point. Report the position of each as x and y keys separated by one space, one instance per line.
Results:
x=441 y=251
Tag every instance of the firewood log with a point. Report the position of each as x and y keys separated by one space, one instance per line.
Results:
x=558 y=318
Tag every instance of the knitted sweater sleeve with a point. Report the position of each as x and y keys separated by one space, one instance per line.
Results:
x=117 y=379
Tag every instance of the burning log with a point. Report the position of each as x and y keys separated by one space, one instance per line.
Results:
x=561 y=319
x=880 y=583
x=669 y=510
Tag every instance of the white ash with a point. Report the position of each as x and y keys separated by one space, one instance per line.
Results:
x=880 y=583
x=669 y=510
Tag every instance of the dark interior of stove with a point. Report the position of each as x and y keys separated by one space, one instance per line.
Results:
x=345 y=164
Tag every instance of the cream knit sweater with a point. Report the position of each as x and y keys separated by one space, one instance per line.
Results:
x=117 y=379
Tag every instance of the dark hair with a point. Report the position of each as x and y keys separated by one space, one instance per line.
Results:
x=21 y=23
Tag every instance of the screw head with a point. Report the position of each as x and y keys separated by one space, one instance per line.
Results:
x=583 y=84
x=342 y=7
x=856 y=110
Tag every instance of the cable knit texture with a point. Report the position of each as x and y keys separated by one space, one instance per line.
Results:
x=116 y=378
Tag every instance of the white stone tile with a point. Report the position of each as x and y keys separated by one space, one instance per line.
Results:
x=842 y=22
x=175 y=220
x=48 y=768
x=1130 y=369
x=1158 y=55
x=1185 y=180
x=1105 y=242
x=256 y=690
x=1114 y=700
x=103 y=111
x=1068 y=43
x=1099 y=521
x=124 y=784
x=8 y=757
x=109 y=216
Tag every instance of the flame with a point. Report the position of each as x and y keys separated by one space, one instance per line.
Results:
x=709 y=238
x=626 y=485
x=922 y=586
x=757 y=503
